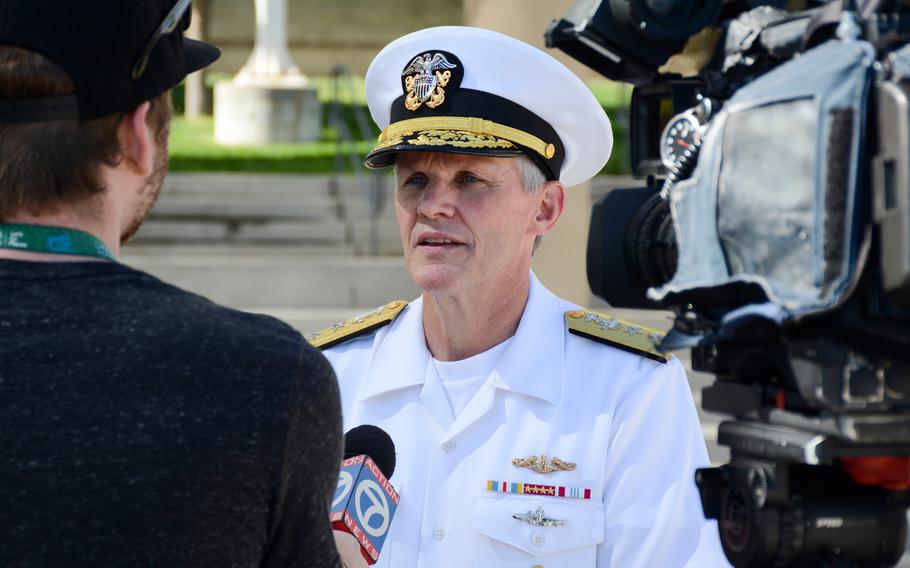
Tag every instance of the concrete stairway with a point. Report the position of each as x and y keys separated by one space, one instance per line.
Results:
x=348 y=213
x=311 y=249
x=277 y=277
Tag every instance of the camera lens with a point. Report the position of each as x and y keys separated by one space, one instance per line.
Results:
x=664 y=20
x=666 y=8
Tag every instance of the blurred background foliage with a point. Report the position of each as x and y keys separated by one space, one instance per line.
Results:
x=193 y=148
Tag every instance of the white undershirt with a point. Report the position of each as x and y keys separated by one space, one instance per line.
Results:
x=462 y=379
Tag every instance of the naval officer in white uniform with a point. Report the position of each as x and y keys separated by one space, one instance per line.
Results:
x=530 y=432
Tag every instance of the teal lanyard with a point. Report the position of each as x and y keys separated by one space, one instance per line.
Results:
x=55 y=240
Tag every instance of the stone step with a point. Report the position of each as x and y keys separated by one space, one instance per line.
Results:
x=228 y=230
x=280 y=281
x=311 y=210
x=354 y=191
x=205 y=209
x=281 y=210
x=230 y=182
x=189 y=253
x=258 y=183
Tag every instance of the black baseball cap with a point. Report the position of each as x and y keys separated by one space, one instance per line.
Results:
x=118 y=53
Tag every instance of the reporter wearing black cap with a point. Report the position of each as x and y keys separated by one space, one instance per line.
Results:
x=140 y=425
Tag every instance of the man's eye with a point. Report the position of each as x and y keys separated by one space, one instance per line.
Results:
x=417 y=181
x=470 y=178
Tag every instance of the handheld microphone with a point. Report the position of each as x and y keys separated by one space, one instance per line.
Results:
x=365 y=501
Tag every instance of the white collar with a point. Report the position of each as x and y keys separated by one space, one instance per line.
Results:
x=532 y=365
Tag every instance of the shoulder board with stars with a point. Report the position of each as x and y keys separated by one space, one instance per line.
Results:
x=617 y=332
x=356 y=326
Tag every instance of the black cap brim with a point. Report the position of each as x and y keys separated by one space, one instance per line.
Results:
x=198 y=54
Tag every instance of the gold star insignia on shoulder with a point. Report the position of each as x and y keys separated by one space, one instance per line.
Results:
x=541 y=464
x=356 y=326
x=617 y=332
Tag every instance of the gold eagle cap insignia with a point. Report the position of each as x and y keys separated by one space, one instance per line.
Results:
x=541 y=464
x=425 y=80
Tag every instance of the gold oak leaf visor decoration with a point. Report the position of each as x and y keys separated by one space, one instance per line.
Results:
x=461 y=132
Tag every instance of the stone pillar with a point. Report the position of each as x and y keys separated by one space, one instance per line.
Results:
x=270 y=57
x=195 y=97
x=560 y=261
x=269 y=100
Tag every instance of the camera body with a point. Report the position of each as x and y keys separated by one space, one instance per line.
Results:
x=775 y=223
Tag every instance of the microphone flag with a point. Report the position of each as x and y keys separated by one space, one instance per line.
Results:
x=364 y=504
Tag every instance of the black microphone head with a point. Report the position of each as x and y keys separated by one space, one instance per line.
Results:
x=374 y=442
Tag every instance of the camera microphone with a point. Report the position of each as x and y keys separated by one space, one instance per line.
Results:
x=364 y=501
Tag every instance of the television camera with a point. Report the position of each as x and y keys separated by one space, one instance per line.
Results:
x=774 y=137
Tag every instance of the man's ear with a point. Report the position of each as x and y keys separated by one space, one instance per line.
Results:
x=550 y=205
x=137 y=141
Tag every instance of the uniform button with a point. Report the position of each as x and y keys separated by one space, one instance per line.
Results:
x=449 y=446
x=537 y=539
x=439 y=533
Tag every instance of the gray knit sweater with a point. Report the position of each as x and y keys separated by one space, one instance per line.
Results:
x=141 y=425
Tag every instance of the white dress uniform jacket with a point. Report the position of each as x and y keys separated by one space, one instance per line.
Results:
x=629 y=423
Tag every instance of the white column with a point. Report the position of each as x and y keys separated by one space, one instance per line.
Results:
x=271 y=59
x=196 y=99
x=269 y=100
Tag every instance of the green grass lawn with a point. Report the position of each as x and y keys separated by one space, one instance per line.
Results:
x=611 y=94
x=193 y=147
x=350 y=89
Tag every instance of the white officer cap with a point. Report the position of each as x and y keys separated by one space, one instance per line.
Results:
x=475 y=91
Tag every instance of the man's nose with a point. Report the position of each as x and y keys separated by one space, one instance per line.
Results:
x=437 y=200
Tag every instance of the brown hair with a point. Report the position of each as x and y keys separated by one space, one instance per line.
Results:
x=45 y=165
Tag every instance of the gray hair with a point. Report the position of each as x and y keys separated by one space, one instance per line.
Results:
x=532 y=177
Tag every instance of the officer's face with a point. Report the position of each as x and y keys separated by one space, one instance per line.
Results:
x=465 y=221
